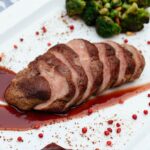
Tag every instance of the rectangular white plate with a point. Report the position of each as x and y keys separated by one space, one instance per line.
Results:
x=28 y=16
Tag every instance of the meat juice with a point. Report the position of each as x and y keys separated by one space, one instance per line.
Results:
x=14 y=119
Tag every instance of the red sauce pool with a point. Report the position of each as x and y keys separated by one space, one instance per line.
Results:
x=13 y=119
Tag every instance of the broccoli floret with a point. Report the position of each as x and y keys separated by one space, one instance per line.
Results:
x=141 y=3
x=116 y=3
x=134 y=18
x=75 y=7
x=106 y=27
x=91 y=11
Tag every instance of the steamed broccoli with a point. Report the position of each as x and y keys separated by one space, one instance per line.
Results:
x=116 y=3
x=106 y=27
x=141 y=3
x=134 y=18
x=91 y=11
x=75 y=7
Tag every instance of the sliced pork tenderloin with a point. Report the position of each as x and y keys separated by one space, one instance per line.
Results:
x=127 y=63
x=72 y=61
x=27 y=90
x=59 y=77
x=110 y=65
x=139 y=61
x=88 y=55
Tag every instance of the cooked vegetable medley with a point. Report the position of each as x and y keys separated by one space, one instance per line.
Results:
x=111 y=17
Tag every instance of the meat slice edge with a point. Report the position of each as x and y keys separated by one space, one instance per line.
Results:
x=110 y=65
x=139 y=61
x=71 y=60
x=88 y=55
x=60 y=79
x=27 y=90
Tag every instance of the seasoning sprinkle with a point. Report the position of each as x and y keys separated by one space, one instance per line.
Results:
x=109 y=129
x=134 y=117
x=71 y=27
x=145 y=112
x=109 y=143
x=118 y=130
x=106 y=133
x=110 y=122
x=20 y=139
x=84 y=130
x=40 y=135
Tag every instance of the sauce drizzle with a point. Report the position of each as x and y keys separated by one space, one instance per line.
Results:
x=14 y=119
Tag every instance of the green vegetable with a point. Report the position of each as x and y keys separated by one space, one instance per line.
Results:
x=111 y=16
x=106 y=27
x=134 y=18
x=114 y=13
x=116 y=3
x=141 y=3
x=91 y=11
x=104 y=11
x=75 y=7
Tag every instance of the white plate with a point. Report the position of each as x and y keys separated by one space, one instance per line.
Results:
x=28 y=16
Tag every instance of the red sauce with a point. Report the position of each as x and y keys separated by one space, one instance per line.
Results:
x=13 y=119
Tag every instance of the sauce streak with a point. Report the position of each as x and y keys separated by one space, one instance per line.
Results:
x=13 y=119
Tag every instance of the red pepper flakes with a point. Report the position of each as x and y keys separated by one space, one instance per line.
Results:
x=106 y=133
x=90 y=111
x=109 y=129
x=134 y=117
x=118 y=125
x=40 y=135
x=44 y=29
x=21 y=39
x=71 y=27
x=49 y=44
x=148 y=42
x=145 y=112
x=37 y=33
x=118 y=130
x=109 y=143
x=15 y=46
x=148 y=95
x=110 y=122
x=20 y=139
x=125 y=40
x=84 y=130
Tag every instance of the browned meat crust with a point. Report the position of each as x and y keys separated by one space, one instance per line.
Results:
x=74 y=61
x=114 y=63
x=64 y=77
x=96 y=66
x=62 y=69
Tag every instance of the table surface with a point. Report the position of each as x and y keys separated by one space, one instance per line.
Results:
x=4 y=4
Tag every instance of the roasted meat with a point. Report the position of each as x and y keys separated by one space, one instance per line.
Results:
x=67 y=75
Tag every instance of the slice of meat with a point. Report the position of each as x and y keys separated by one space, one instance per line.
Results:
x=127 y=63
x=71 y=60
x=139 y=61
x=88 y=55
x=59 y=77
x=27 y=90
x=110 y=65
